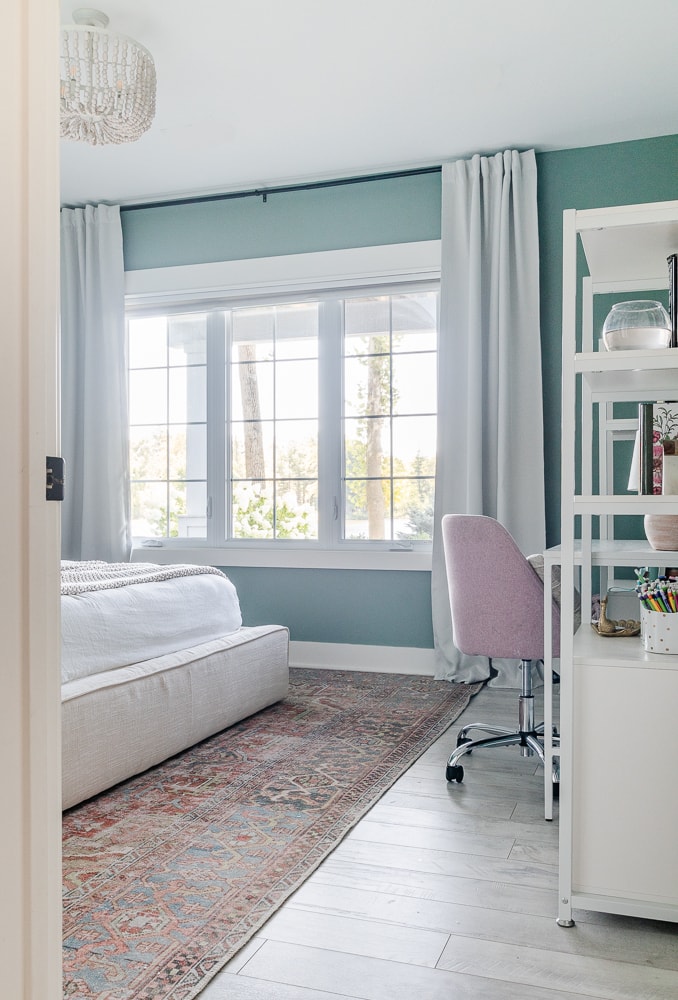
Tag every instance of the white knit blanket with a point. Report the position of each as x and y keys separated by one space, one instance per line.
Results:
x=83 y=577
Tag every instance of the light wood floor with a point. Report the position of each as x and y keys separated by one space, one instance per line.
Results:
x=449 y=892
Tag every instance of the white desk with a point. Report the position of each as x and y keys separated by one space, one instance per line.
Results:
x=606 y=554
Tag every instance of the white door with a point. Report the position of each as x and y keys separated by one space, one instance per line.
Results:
x=30 y=905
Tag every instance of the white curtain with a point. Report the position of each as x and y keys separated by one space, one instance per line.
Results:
x=95 y=515
x=490 y=426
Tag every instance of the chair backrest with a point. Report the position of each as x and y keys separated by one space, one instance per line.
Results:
x=496 y=597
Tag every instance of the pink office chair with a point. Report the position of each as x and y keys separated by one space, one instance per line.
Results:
x=497 y=602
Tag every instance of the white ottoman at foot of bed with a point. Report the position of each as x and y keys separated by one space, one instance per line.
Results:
x=120 y=722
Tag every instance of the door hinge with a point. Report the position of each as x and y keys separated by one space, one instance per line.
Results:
x=54 y=482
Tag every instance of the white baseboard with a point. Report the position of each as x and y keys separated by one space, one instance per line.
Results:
x=349 y=656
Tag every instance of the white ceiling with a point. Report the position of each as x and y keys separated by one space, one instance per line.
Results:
x=257 y=93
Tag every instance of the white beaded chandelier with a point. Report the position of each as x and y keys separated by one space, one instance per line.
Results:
x=107 y=82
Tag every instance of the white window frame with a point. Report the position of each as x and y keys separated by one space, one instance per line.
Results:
x=197 y=286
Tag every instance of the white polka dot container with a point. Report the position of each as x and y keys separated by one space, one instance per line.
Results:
x=659 y=631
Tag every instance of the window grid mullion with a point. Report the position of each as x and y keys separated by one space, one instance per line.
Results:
x=274 y=459
x=391 y=468
x=216 y=428
x=330 y=422
x=168 y=404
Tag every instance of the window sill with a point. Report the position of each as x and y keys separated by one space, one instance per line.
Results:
x=284 y=558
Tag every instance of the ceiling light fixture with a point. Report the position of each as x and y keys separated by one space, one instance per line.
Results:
x=107 y=82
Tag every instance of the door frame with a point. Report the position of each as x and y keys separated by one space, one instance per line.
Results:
x=30 y=832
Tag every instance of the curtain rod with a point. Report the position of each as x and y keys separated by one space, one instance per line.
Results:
x=263 y=193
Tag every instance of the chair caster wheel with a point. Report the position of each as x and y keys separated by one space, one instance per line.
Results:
x=454 y=772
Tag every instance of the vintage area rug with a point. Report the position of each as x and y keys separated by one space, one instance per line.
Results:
x=168 y=875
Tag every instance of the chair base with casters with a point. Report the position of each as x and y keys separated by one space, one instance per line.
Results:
x=527 y=736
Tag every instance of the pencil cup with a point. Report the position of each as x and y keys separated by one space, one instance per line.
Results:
x=659 y=631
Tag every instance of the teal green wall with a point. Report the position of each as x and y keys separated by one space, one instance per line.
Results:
x=323 y=605
x=373 y=213
x=623 y=173
x=392 y=608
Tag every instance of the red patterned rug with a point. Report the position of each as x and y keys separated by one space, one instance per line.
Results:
x=168 y=875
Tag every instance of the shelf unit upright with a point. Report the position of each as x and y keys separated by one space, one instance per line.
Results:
x=618 y=704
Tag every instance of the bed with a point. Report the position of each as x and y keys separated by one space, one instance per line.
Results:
x=154 y=659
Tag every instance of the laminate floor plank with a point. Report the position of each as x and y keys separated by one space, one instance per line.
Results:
x=444 y=819
x=227 y=986
x=520 y=930
x=546 y=854
x=375 y=979
x=466 y=802
x=431 y=776
x=537 y=968
x=446 y=888
x=354 y=933
x=448 y=863
x=440 y=840
x=481 y=784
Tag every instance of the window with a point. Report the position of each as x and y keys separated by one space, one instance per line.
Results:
x=168 y=425
x=307 y=421
x=272 y=383
x=389 y=416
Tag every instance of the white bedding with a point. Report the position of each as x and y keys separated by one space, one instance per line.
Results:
x=117 y=626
